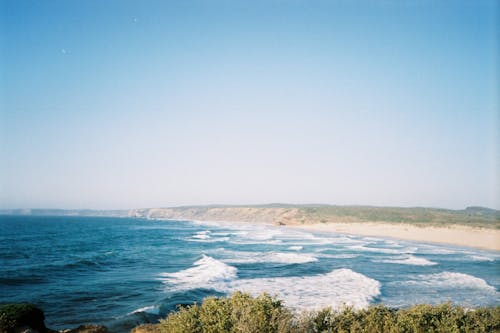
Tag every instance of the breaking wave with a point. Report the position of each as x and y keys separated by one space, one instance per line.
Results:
x=204 y=272
x=364 y=248
x=153 y=309
x=408 y=260
x=338 y=288
x=272 y=257
x=480 y=258
x=451 y=280
x=205 y=237
x=341 y=287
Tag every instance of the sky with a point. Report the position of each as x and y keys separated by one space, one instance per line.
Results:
x=128 y=104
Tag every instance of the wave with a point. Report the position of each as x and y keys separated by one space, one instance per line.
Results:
x=253 y=242
x=391 y=243
x=341 y=287
x=481 y=258
x=339 y=256
x=220 y=234
x=436 y=249
x=153 y=309
x=271 y=257
x=257 y=235
x=207 y=223
x=206 y=271
x=451 y=280
x=202 y=235
x=338 y=288
x=296 y=248
x=382 y=250
x=408 y=260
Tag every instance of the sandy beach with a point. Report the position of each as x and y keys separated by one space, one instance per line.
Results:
x=482 y=238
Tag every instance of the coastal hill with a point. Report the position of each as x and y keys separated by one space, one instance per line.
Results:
x=281 y=214
x=285 y=214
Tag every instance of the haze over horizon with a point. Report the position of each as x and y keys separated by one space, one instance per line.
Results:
x=126 y=104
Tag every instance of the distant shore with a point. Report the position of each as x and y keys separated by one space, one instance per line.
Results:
x=488 y=239
x=477 y=227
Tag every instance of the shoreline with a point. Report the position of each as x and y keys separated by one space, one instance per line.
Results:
x=457 y=235
x=480 y=238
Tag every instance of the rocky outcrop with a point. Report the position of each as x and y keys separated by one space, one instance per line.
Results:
x=28 y=318
x=22 y=317
x=87 y=329
x=146 y=328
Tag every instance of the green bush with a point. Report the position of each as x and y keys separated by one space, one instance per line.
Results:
x=238 y=313
x=264 y=314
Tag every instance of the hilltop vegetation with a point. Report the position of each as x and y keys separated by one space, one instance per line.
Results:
x=473 y=217
x=244 y=314
x=308 y=214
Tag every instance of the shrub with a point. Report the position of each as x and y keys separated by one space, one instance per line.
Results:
x=238 y=313
x=264 y=314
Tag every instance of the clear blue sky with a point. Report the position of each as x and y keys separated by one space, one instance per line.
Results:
x=123 y=104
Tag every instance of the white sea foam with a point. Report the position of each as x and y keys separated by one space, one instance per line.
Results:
x=241 y=257
x=153 y=309
x=305 y=238
x=220 y=233
x=382 y=250
x=254 y=241
x=296 y=248
x=408 y=260
x=338 y=256
x=481 y=258
x=373 y=239
x=206 y=238
x=265 y=234
x=336 y=289
x=434 y=249
x=202 y=235
x=205 y=271
x=258 y=235
x=392 y=243
x=451 y=280
x=207 y=223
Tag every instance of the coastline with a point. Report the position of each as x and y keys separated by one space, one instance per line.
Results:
x=481 y=238
x=458 y=235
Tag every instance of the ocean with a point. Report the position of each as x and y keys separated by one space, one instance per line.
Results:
x=124 y=271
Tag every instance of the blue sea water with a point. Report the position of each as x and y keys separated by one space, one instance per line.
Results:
x=124 y=271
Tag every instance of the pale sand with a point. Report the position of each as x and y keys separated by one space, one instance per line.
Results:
x=456 y=235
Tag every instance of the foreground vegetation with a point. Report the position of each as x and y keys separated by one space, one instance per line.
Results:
x=244 y=314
